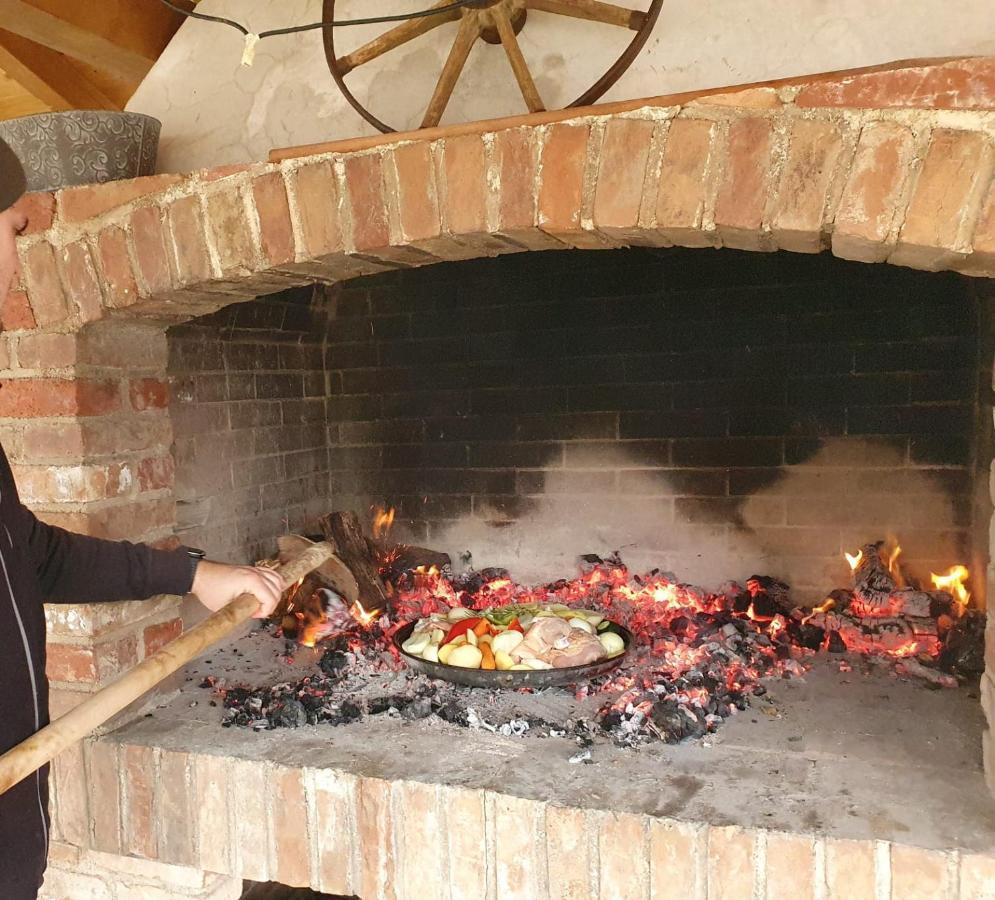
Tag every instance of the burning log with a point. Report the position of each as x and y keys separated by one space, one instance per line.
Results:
x=875 y=589
x=344 y=532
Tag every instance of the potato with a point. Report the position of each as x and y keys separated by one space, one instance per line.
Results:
x=537 y=664
x=506 y=641
x=503 y=661
x=485 y=638
x=466 y=656
x=438 y=635
x=431 y=652
x=471 y=639
x=444 y=652
x=583 y=624
x=612 y=643
x=518 y=667
x=459 y=612
x=416 y=643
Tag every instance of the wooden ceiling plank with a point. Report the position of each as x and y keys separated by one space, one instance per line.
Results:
x=50 y=76
x=50 y=31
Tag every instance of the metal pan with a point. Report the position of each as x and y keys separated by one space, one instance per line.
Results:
x=492 y=678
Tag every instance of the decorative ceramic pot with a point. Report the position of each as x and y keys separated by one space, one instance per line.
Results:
x=62 y=149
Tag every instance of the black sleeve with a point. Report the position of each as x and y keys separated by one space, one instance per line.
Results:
x=72 y=568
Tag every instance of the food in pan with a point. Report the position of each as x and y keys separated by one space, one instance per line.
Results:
x=515 y=638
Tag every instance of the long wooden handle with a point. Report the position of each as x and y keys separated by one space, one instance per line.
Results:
x=43 y=746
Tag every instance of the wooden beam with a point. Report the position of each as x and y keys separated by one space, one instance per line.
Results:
x=57 y=34
x=51 y=77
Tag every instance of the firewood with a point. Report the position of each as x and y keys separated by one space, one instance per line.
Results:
x=343 y=531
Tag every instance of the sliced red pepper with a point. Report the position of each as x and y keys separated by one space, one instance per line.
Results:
x=515 y=625
x=462 y=627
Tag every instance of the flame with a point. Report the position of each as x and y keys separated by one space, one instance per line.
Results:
x=828 y=604
x=854 y=561
x=383 y=521
x=362 y=615
x=953 y=583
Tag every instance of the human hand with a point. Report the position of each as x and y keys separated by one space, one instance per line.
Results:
x=217 y=584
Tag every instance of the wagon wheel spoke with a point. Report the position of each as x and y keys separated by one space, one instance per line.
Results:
x=396 y=37
x=592 y=11
x=466 y=37
x=519 y=66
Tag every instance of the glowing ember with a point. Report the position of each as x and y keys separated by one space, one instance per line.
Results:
x=953 y=583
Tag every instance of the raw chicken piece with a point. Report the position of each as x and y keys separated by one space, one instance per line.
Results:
x=582 y=648
x=541 y=637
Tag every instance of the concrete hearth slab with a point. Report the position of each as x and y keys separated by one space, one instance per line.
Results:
x=856 y=755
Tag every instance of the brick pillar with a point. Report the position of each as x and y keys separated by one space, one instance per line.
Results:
x=84 y=420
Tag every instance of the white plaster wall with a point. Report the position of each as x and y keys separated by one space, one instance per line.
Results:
x=214 y=111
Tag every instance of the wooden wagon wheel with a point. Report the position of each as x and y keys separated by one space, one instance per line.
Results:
x=495 y=22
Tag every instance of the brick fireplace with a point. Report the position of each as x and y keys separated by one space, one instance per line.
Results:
x=148 y=395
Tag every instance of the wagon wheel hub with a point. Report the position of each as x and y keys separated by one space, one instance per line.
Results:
x=496 y=22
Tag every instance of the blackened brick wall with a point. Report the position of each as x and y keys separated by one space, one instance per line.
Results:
x=483 y=388
x=492 y=389
x=249 y=418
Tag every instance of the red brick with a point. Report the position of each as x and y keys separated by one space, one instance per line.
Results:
x=216 y=173
x=800 y=210
x=71 y=812
x=682 y=193
x=81 y=203
x=52 y=441
x=982 y=257
x=186 y=224
x=465 y=168
x=730 y=863
x=866 y=220
x=750 y=98
x=959 y=84
x=276 y=232
x=41 y=276
x=568 y=856
x=422 y=867
x=138 y=806
x=79 y=278
x=850 y=869
x=517 y=175
x=561 y=183
x=918 y=874
x=365 y=200
x=46 y=351
x=790 y=866
x=417 y=203
x=742 y=196
x=105 y=795
x=621 y=174
x=210 y=779
x=375 y=834
x=71 y=663
x=317 y=203
x=39 y=207
x=4 y=352
x=115 y=266
x=16 y=313
x=289 y=829
x=131 y=520
x=156 y=473
x=40 y=397
x=624 y=860
x=675 y=848
x=520 y=862
x=149 y=393
x=175 y=808
x=151 y=259
x=468 y=863
x=946 y=200
x=335 y=804
x=228 y=226
x=977 y=877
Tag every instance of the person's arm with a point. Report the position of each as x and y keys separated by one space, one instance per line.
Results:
x=73 y=568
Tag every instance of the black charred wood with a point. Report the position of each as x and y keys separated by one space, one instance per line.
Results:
x=963 y=650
